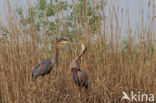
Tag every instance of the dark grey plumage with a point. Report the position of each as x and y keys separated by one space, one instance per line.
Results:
x=43 y=68
x=80 y=77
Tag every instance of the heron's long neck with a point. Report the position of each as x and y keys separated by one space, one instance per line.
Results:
x=78 y=57
x=55 y=56
x=56 y=50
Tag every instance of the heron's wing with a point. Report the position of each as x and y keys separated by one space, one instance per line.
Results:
x=42 y=68
x=75 y=77
x=83 y=78
x=38 y=70
x=83 y=75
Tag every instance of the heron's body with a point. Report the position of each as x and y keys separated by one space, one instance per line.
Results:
x=43 y=68
x=80 y=77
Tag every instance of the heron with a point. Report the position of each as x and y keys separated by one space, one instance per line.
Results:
x=79 y=76
x=45 y=66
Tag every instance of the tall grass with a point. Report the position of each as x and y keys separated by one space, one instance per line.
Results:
x=112 y=67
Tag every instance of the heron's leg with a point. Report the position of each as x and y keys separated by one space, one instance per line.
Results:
x=55 y=74
x=56 y=71
x=80 y=91
x=48 y=78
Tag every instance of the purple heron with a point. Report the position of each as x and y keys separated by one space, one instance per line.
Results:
x=45 y=66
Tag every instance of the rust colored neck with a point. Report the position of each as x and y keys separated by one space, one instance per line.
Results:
x=78 y=57
x=56 y=53
x=75 y=61
x=78 y=77
x=56 y=48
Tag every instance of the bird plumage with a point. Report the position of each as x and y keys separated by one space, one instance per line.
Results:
x=45 y=66
x=80 y=77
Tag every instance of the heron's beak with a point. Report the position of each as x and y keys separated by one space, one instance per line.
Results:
x=66 y=42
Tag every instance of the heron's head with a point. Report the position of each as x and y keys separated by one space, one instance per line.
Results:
x=83 y=46
x=63 y=41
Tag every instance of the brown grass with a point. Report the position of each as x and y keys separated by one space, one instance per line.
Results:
x=110 y=70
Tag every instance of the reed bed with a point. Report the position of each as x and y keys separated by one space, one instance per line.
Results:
x=112 y=67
